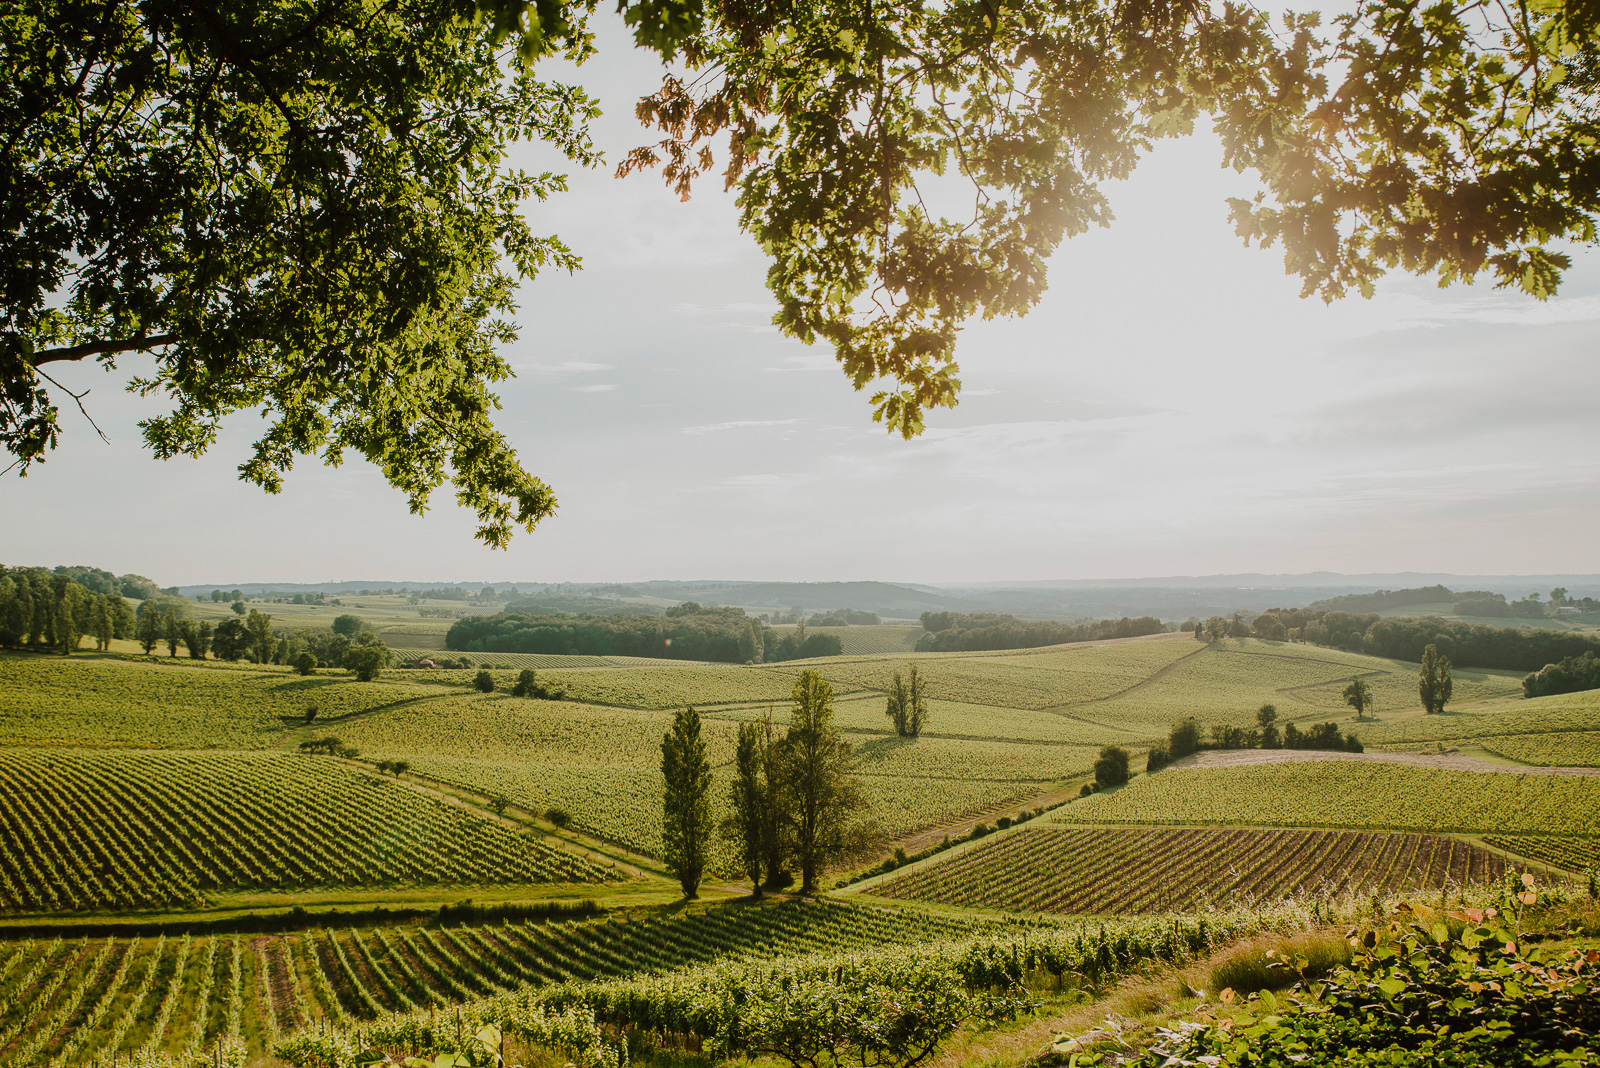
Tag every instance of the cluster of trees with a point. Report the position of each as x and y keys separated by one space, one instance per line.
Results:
x=799 y=644
x=845 y=617
x=48 y=610
x=544 y=604
x=792 y=802
x=688 y=631
x=1464 y=603
x=972 y=632
x=907 y=707
x=1466 y=644
x=1187 y=737
x=1571 y=674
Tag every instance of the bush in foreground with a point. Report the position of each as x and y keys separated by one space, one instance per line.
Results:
x=1446 y=988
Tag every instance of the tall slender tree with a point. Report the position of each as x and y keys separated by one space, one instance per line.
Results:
x=896 y=707
x=686 y=801
x=916 y=703
x=748 y=799
x=1434 y=684
x=822 y=792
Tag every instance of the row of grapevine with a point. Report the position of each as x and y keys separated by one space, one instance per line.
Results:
x=716 y=1001
x=1108 y=870
x=144 y=1001
x=86 y=829
x=1577 y=854
x=76 y=1002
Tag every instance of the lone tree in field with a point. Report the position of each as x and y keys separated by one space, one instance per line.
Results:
x=752 y=818
x=367 y=660
x=907 y=706
x=1358 y=695
x=817 y=767
x=1267 y=720
x=483 y=682
x=1112 y=767
x=1434 y=683
x=686 y=801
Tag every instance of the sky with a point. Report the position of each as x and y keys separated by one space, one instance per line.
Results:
x=1171 y=407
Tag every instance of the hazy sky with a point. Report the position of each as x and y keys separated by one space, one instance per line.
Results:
x=1172 y=407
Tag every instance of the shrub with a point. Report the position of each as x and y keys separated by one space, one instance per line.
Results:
x=1157 y=759
x=306 y=664
x=484 y=682
x=1112 y=767
x=558 y=816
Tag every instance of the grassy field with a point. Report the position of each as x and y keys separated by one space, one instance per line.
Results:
x=1118 y=871
x=1340 y=793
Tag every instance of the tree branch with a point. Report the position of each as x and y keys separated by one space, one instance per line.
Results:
x=100 y=348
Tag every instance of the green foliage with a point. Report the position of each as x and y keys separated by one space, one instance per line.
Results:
x=483 y=682
x=382 y=346
x=1434 y=683
x=367 y=660
x=718 y=634
x=1111 y=769
x=686 y=801
x=955 y=632
x=1455 y=988
x=1573 y=673
x=820 y=791
x=305 y=664
x=1358 y=695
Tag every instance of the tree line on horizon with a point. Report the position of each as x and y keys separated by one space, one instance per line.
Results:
x=688 y=631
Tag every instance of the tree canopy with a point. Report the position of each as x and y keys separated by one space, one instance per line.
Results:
x=304 y=208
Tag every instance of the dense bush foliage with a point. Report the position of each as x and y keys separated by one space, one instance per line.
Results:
x=1572 y=674
x=1186 y=739
x=1455 y=989
x=955 y=632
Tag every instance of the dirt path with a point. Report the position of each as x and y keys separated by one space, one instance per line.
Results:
x=1229 y=758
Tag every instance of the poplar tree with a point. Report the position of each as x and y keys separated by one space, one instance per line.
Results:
x=1434 y=683
x=897 y=709
x=916 y=702
x=749 y=801
x=686 y=801
x=817 y=767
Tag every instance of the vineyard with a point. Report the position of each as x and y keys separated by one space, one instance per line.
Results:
x=714 y=1004
x=92 y=830
x=1570 y=712
x=177 y=995
x=1577 y=749
x=1576 y=854
x=1340 y=793
x=1118 y=871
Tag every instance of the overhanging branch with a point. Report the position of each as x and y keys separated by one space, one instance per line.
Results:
x=100 y=348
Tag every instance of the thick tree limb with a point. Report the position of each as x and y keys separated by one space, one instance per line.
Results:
x=100 y=348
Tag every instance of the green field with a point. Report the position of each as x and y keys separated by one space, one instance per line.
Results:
x=1344 y=793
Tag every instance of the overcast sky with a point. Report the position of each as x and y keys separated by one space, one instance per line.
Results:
x=1172 y=407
